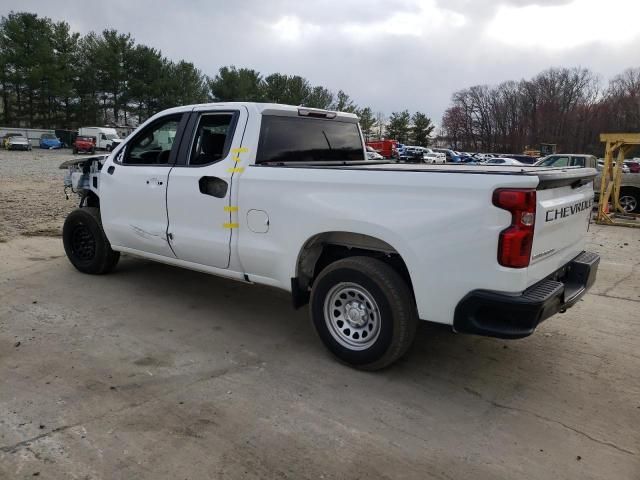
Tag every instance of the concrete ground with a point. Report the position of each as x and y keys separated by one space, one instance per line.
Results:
x=153 y=372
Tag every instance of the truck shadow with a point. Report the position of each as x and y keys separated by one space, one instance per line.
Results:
x=264 y=321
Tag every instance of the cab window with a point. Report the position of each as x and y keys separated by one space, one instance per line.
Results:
x=555 y=162
x=212 y=139
x=152 y=146
x=297 y=139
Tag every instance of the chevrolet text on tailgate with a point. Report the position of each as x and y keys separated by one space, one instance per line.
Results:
x=284 y=196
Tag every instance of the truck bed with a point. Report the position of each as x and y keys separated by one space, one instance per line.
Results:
x=548 y=176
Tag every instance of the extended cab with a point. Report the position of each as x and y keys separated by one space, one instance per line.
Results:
x=284 y=196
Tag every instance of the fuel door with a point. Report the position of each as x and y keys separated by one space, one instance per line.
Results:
x=258 y=221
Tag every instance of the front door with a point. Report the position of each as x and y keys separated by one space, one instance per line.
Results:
x=133 y=188
x=201 y=218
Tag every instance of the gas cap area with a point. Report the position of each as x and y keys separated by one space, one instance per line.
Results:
x=258 y=221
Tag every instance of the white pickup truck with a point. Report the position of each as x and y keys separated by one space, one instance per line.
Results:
x=284 y=196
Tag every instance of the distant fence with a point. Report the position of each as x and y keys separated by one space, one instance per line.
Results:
x=32 y=134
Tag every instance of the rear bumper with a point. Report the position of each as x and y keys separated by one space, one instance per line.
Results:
x=495 y=314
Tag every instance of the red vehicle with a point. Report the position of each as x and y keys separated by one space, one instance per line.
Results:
x=634 y=165
x=384 y=147
x=84 y=144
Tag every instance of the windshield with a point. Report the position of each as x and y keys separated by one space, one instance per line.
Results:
x=48 y=136
x=111 y=136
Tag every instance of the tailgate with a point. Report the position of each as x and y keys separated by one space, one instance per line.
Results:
x=564 y=204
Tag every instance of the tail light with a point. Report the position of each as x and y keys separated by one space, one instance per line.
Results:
x=514 y=246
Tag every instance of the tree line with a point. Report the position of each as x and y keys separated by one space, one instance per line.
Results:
x=568 y=107
x=51 y=77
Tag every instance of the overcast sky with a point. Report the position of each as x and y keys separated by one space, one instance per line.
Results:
x=388 y=54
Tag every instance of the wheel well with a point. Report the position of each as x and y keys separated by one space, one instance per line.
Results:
x=630 y=188
x=90 y=199
x=324 y=249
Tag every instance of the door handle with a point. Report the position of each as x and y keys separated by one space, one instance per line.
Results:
x=111 y=169
x=214 y=186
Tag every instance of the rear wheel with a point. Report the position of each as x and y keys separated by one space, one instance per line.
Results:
x=86 y=244
x=364 y=313
x=630 y=200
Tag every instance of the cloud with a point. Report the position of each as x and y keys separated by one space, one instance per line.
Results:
x=388 y=54
x=590 y=22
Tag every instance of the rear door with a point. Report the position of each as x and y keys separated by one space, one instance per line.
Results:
x=201 y=217
x=564 y=204
x=133 y=187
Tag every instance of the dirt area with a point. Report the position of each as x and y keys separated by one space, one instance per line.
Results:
x=154 y=372
x=32 y=201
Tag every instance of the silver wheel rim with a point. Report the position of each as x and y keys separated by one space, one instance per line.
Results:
x=352 y=316
x=628 y=203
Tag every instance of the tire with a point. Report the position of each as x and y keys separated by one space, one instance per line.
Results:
x=630 y=200
x=109 y=148
x=383 y=310
x=92 y=151
x=86 y=244
x=75 y=151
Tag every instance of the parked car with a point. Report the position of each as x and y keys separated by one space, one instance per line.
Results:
x=502 y=161
x=417 y=154
x=398 y=151
x=526 y=159
x=431 y=156
x=564 y=160
x=629 y=185
x=18 y=142
x=318 y=221
x=6 y=137
x=600 y=165
x=634 y=165
x=451 y=156
x=372 y=154
x=50 y=141
x=84 y=144
x=466 y=157
x=411 y=154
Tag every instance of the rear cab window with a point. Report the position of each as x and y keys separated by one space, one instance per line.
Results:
x=212 y=138
x=555 y=162
x=285 y=139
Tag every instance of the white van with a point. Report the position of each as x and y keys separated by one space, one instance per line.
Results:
x=106 y=138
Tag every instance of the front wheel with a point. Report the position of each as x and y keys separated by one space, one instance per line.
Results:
x=86 y=244
x=364 y=312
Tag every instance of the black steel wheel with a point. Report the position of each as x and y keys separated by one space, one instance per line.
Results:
x=86 y=244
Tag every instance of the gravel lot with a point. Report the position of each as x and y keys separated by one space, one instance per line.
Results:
x=31 y=193
x=155 y=372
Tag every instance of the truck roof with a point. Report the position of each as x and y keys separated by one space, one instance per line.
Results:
x=261 y=108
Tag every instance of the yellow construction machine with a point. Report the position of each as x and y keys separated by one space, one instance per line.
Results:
x=610 y=212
